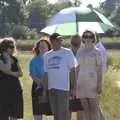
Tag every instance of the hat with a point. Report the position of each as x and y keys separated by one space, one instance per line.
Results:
x=55 y=36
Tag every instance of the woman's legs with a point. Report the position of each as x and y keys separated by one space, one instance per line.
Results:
x=80 y=115
x=85 y=114
x=91 y=110
x=94 y=109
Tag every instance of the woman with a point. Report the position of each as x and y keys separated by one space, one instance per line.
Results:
x=10 y=88
x=37 y=73
x=89 y=83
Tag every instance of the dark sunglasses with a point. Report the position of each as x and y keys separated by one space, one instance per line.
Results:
x=88 y=37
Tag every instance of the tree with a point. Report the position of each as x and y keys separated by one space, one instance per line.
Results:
x=109 y=6
x=77 y=3
x=61 y=4
x=111 y=9
x=11 y=11
x=42 y=10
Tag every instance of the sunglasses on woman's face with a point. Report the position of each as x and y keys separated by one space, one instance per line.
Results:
x=88 y=37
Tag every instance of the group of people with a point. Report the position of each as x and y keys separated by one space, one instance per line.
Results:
x=64 y=80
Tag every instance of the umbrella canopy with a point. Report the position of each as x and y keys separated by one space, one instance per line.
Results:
x=75 y=20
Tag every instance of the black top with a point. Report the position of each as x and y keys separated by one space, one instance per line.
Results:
x=14 y=67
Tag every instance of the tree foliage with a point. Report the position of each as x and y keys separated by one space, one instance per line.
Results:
x=11 y=11
x=111 y=9
x=34 y=13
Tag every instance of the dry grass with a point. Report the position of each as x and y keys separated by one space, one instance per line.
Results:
x=110 y=99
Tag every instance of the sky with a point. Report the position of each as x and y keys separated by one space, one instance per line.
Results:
x=95 y=3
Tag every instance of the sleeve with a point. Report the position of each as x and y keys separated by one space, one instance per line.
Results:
x=32 y=68
x=72 y=62
x=104 y=60
x=45 y=64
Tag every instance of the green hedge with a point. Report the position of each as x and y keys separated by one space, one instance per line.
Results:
x=18 y=31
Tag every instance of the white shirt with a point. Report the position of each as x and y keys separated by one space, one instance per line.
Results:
x=103 y=54
x=58 y=65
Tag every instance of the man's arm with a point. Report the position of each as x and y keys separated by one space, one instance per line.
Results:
x=45 y=83
x=99 y=73
x=73 y=81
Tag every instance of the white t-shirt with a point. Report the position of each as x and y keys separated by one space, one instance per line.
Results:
x=103 y=54
x=58 y=65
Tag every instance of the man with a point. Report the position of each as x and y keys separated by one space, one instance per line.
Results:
x=75 y=43
x=103 y=50
x=59 y=64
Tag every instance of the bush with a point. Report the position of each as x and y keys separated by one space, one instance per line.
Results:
x=17 y=31
x=114 y=63
x=20 y=31
x=32 y=33
x=5 y=29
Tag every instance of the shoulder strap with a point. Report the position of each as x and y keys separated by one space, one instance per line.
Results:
x=14 y=59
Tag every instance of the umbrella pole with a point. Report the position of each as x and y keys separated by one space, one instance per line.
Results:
x=56 y=29
x=77 y=26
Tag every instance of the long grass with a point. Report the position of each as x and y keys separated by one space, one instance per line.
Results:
x=110 y=100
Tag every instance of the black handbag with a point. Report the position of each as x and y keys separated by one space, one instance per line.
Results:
x=75 y=105
x=41 y=98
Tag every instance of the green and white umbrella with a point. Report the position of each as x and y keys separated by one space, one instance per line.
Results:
x=75 y=20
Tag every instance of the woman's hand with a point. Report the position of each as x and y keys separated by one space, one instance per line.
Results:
x=17 y=74
x=72 y=93
x=20 y=74
x=99 y=89
x=37 y=81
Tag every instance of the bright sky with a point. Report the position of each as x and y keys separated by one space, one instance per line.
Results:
x=95 y=3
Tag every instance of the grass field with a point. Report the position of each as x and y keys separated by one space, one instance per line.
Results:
x=110 y=100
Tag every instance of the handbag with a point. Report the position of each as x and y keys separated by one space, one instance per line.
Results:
x=42 y=98
x=75 y=105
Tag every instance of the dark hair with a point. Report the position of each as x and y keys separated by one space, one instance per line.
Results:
x=55 y=36
x=5 y=43
x=75 y=37
x=92 y=33
x=36 y=46
x=97 y=37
